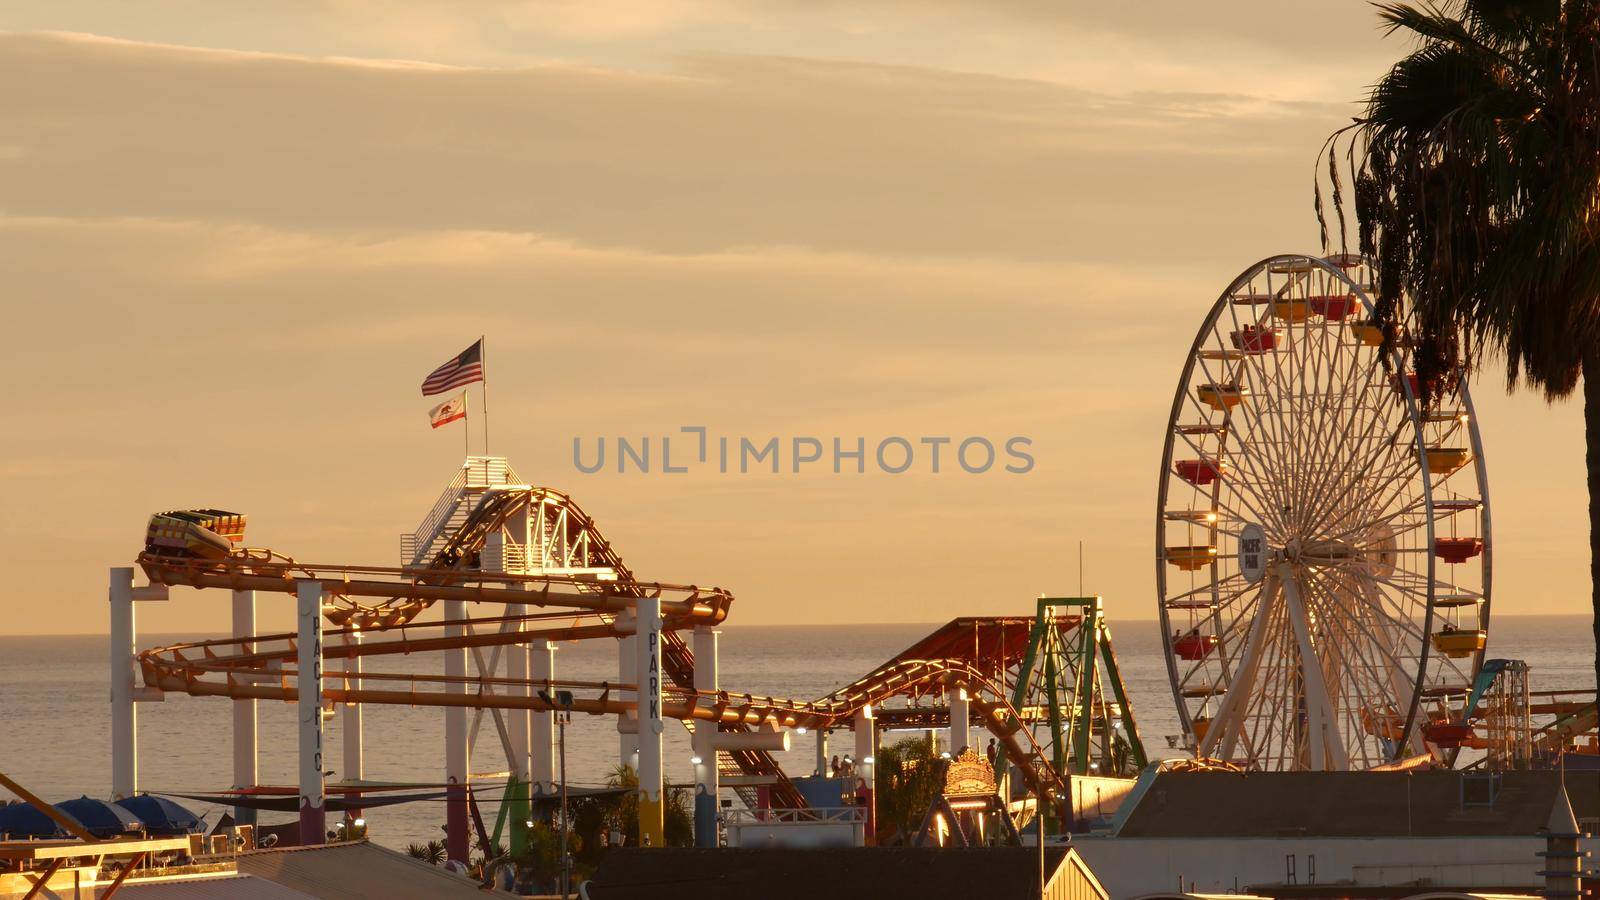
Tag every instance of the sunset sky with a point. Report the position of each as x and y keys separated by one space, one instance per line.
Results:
x=235 y=237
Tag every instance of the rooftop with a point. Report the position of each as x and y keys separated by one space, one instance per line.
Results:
x=1352 y=804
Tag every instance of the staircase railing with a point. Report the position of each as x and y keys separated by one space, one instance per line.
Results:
x=475 y=472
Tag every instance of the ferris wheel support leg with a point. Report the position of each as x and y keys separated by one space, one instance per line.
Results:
x=246 y=746
x=706 y=779
x=308 y=684
x=652 y=821
x=124 y=715
x=1323 y=739
x=1228 y=723
x=455 y=739
x=960 y=730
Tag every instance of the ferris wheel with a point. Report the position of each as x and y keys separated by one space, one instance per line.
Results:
x=1323 y=540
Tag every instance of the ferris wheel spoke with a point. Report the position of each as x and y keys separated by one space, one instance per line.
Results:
x=1382 y=464
x=1350 y=468
x=1374 y=652
x=1264 y=384
x=1402 y=677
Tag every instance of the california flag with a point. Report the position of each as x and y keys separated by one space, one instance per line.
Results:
x=449 y=411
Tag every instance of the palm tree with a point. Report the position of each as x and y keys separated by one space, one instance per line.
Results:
x=1477 y=193
x=908 y=780
x=431 y=852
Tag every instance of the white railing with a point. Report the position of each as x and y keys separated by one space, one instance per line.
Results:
x=514 y=558
x=477 y=472
x=844 y=826
x=441 y=509
x=488 y=471
x=838 y=815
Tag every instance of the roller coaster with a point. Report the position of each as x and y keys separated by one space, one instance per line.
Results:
x=547 y=573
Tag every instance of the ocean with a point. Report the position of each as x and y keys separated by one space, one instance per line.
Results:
x=55 y=711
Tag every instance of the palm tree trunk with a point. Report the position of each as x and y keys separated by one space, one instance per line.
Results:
x=1591 y=428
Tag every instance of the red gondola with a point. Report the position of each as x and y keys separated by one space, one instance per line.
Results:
x=1194 y=646
x=1334 y=307
x=1255 y=340
x=1447 y=734
x=1411 y=379
x=1198 y=471
x=1457 y=550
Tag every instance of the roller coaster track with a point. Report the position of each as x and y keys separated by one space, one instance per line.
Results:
x=567 y=538
x=579 y=585
x=264 y=668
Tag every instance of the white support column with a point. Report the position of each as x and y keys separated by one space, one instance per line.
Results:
x=518 y=724
x=960 y=731
x=707 y=784
x=628 y=673
x=308 y=682
x=354 y=765
x=457 y=845
x=124 y=717
x=647 y=620
x=866 y=733
x=246 y=746
x=542 y=745
x=822 y=753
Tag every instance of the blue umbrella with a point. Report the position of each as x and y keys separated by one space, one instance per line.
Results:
x=100 y=818
x=23 y=820
x=160 y=815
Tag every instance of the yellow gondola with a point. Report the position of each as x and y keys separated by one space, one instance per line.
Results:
x=1367 y=333
x=1291 y=310
x=1457 y=643
x=1444 y=460
x=1221 y=397
x=1191 y=559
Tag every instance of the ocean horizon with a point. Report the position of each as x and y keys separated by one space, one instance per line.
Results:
x=55 y=721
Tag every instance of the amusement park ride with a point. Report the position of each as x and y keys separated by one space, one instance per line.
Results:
x=516 y=568
x=1324 y=546
x=1323 y=568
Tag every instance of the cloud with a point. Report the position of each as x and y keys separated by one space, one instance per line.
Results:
x=728 y=151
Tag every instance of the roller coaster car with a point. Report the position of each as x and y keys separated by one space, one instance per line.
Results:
x=202 y=533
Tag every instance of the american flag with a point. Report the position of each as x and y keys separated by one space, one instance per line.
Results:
x=463 y=370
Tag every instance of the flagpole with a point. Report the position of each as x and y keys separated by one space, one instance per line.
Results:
x=483 y=358
x=466 y=428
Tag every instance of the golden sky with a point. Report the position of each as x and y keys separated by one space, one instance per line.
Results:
x=234 y=238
